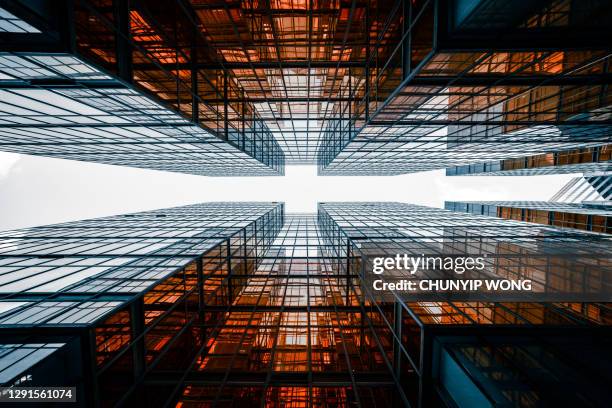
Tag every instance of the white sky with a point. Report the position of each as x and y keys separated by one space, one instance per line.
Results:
x=38 y=190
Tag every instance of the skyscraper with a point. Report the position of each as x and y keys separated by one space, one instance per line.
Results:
x=355 y=87
x=595 y=216
x=587 y=160
x=100 y=81
x=240 y=303
x=590 y=188
x=584 y=203
x=101 y=304
x=478 y=353
x=459 y=83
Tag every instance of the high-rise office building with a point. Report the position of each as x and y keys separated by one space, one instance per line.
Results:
x=102 y=304
x=116 y=82
x=587 y=160
x=594 y=216
x=471 y=353
x=590 y=188
x=465 y=82
x=240 y=304
x=355 y=87
x=584 y=203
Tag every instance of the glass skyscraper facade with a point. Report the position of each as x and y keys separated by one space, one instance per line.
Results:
x=584 y=203
x=240 y=304
x=471 y=353
x=355 y=87
x=594 y=216
x=586 y=160
x=466 y=82
x=586 y=189
x=100 y=81
x=243 y=305
x=103 y=304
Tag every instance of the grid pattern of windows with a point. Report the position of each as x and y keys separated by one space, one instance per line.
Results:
x=96 y=118
x=297 y=61
x=355 y=87
x=513 y=249
x=119 y=255
x=16 y=358
x=297 y=319
x=134 y=283
x=235 y=303
x=11 y=24
x=592 y=188
x=435 y=103
x=563 y=215
x=588 y=160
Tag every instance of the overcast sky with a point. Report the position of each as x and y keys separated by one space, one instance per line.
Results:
x=38 y=190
